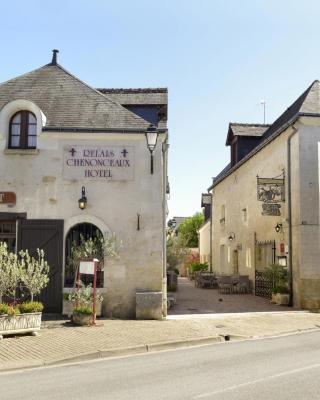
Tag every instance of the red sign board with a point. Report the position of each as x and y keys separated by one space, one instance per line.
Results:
x=281 y=247
x=8 y=198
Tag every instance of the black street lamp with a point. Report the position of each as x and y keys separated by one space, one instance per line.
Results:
x=151 y=136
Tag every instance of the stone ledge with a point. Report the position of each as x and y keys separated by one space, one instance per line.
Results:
x=22 y=152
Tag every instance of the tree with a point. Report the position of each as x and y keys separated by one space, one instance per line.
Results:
x=10 y=272
x=188 y=229
x=177 y=251
x=34 y=272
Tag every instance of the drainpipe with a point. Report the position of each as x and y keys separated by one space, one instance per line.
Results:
x=165 y=147
x=295 y=130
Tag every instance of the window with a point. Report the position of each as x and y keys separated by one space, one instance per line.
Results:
x=23 y=131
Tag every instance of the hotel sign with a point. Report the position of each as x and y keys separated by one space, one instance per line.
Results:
x=111 y=163
x=8 y=198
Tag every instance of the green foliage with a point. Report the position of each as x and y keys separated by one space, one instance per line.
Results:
x=30 y=307
x=177 y=252
x=278 y=276
x=83 y=296
x=10 y=272
x=34 y=272
x=83 y=310
x=198 y=266
x=22 y=271
x=6 y=309
x=188 y=230
x=100 y=246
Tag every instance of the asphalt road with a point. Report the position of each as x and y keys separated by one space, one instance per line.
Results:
x=279 y=368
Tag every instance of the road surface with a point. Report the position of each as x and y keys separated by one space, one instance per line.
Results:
x=276 y=368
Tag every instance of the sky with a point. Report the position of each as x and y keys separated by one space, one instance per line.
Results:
x=218 y=58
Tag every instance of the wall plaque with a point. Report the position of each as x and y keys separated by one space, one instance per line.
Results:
x=106 y=163
x=8 y=198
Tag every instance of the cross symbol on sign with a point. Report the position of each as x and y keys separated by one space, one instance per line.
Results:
x=72 y=151
x=124 y=153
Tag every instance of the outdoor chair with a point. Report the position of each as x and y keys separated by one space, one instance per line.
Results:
x=225 y=284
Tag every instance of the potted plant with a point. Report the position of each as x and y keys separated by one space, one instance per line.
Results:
x=101 y=247
x=30 y=275
x=278 y=277
x=82 y=305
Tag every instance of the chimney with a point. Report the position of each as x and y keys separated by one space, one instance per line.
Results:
x=54 y=57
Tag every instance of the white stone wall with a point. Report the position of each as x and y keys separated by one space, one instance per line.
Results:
x=43 y=193
x=204 y=242
x=238 y=213
x=238 y=192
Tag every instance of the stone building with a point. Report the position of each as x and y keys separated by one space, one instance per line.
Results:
x=61 y=140
x=265 y=203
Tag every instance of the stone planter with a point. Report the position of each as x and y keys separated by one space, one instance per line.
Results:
x=22 y=323
x=280 y=299
x=82 y=319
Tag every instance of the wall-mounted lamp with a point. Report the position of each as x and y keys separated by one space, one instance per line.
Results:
x=231 y=236
x=278 y=227
x=151 y=136
x=172 y=223
x=83 y=201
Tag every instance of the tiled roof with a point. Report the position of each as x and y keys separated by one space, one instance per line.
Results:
x=308 y=104
x=250 y=130
x=68 y=102
x=154 y=96
x=239 y=129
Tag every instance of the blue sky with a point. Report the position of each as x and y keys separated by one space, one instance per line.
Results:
x=219 y=59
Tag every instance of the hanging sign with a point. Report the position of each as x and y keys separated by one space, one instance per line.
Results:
x=104 y=163
x=8 y=198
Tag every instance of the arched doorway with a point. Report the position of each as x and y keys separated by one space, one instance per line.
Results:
x=76 y=238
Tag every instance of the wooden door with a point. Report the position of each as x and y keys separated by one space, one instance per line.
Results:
x=48 y=236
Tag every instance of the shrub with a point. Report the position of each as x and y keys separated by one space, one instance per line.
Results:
x=30 y=307
x=197 y=266
x=83 y=310
x=282 y=289
x=6 y=309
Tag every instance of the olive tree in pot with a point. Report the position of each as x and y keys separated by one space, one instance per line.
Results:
x=28 y=274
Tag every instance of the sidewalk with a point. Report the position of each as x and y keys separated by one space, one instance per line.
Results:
x=59 y=341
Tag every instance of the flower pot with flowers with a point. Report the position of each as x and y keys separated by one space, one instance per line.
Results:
x=29 y=275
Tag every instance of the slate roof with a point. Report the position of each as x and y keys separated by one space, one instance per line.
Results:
x=69 y=103
x=308 y=104
x=154 y=96
x=251 y=130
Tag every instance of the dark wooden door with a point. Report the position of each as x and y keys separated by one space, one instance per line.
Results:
x=48 y=236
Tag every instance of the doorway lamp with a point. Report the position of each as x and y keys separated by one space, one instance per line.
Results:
x=151 y=136
x=83 y=201
x=278 y=227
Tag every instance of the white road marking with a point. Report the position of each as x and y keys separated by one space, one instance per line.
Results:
x=230 y=388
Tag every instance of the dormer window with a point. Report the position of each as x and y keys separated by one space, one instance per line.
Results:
x=23 y=131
